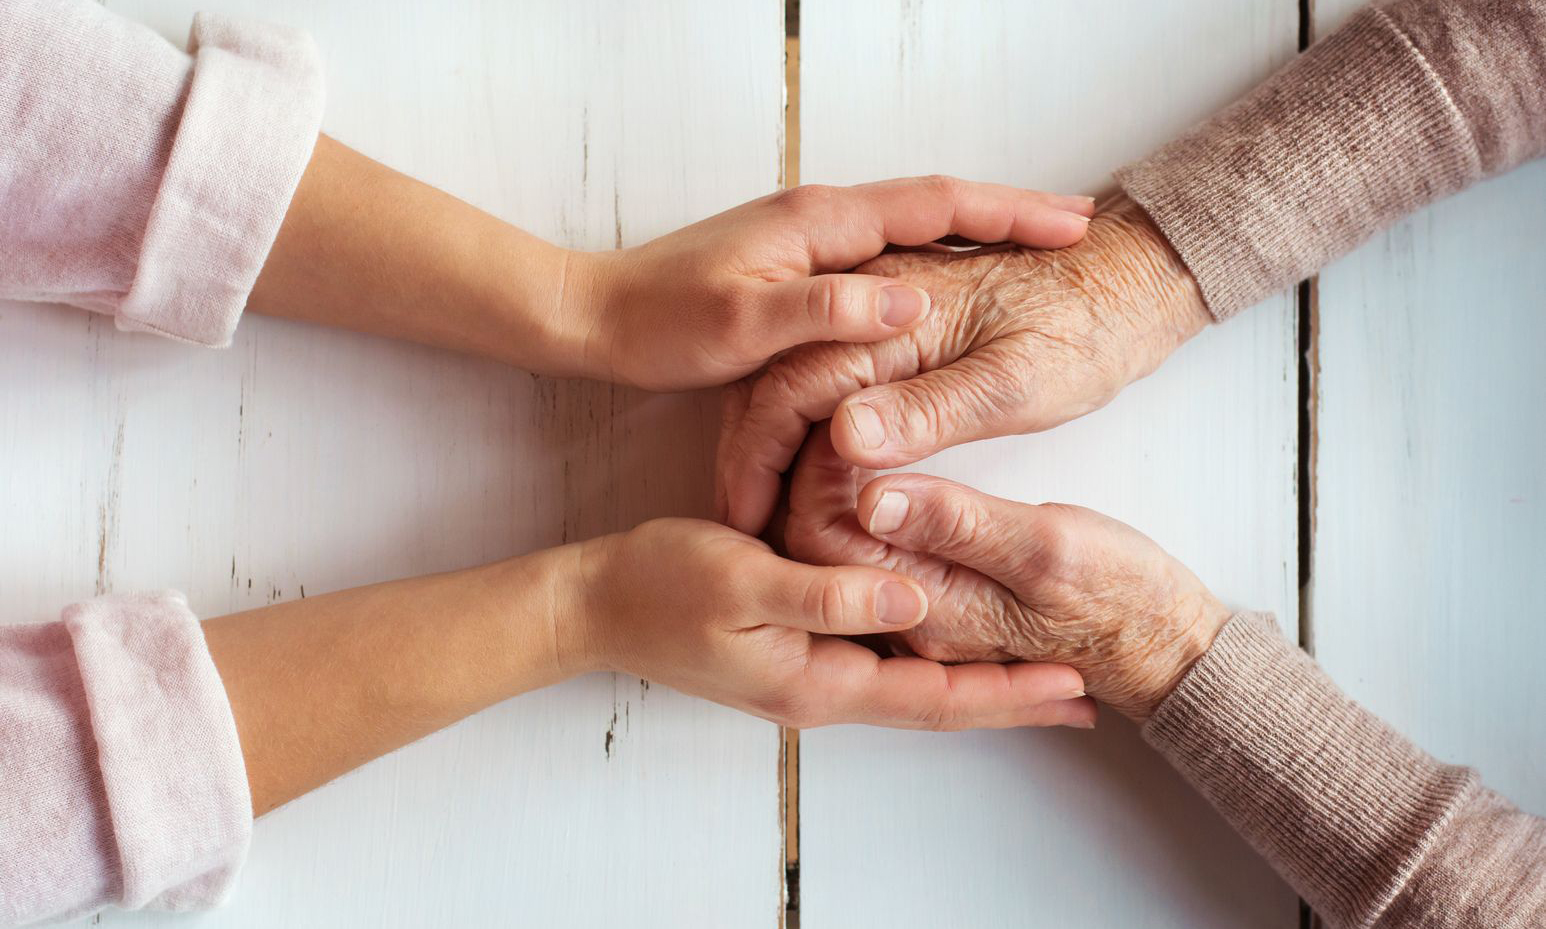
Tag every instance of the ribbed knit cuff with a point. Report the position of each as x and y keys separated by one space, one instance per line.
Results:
x=1342 y=806
x=172 y=771
x=1349 y=137
x=248 y=129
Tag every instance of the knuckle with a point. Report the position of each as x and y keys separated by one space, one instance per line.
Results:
x=830 y=300
x=960 y=521
x=926 y=410
x=781 y=383
x=824 y=603
x=805 y=197
x=788 y=708
x=1056 y=546
x=944 y=185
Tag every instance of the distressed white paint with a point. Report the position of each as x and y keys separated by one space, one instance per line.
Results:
x=315 y=459
x=1060 y=828
x=1431 y=472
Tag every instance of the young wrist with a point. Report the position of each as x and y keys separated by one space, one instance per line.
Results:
x=541 y=304
x=581 y=611
x=543 y=617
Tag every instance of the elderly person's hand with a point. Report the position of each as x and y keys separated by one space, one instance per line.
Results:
x=1017 y=341
x=1011 y=581
x=715 y=613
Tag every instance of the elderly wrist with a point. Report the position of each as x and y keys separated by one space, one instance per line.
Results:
x=1144 y=276
x=1173 y=663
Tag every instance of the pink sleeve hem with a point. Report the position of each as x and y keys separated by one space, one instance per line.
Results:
x=248 y=128
x=172 y=770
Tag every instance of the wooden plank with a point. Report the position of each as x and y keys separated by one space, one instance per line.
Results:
x=1431 y=520
x=305 y=460
x=1060 y=828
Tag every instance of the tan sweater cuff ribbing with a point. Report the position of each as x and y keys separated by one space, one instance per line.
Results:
x=1342 y=806
x=1355 y=133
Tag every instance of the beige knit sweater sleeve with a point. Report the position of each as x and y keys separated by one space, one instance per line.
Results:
x=1406 y=103
x=1364 y=825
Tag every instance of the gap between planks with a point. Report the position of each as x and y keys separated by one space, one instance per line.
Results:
x=789 y=739
x=1307 y=310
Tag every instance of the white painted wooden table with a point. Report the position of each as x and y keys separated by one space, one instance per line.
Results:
x=305 y=460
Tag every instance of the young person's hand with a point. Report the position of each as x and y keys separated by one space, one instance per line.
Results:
x=714 y=301
x=711 y=612
x=365 y=247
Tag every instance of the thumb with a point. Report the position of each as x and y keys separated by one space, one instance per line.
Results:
x=890 y=425
x=838 y=308
x=1000 y=538
x=849 y=600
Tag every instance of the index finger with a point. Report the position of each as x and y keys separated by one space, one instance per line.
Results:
x=855 y=685
x=857 y=223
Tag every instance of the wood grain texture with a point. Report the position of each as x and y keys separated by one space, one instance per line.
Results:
x=1060 y=828
x=305 y=460
x=1428 y=578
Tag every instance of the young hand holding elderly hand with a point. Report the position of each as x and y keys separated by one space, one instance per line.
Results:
x=1018 y=340
x=689 y=603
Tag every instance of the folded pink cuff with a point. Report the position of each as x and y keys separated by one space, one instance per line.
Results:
x=248 y=128
x=121 y=776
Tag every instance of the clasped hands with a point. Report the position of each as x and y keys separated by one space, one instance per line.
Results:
x=990 y=613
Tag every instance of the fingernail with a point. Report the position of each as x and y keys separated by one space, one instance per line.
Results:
x=867 y=425
x=1073 y=203
x=890 y=510
x=1082 y=724
x=1079 y=216
x=901 y=305
x=899 y=604
x=1075 y=695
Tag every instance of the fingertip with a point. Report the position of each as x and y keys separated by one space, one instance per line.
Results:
x=900 y=603
x=1079 y=713
x=902 y=307
x=1066 y=227
x=1072 y=203
x=859 y=431
x=887 y=513
x=884 y=505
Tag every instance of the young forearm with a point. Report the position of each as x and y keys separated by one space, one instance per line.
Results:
x=322 y=685
x=367 y=248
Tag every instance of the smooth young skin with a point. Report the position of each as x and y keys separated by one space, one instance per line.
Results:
x=1009 y=581
x=1018 y=340
x=322 y=685
x=364 y=247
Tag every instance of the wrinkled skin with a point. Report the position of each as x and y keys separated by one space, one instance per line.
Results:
x=1010 y=581
x=1017 y=340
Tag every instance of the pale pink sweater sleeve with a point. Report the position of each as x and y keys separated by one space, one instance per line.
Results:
x=121 y=778
x=142 y=182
